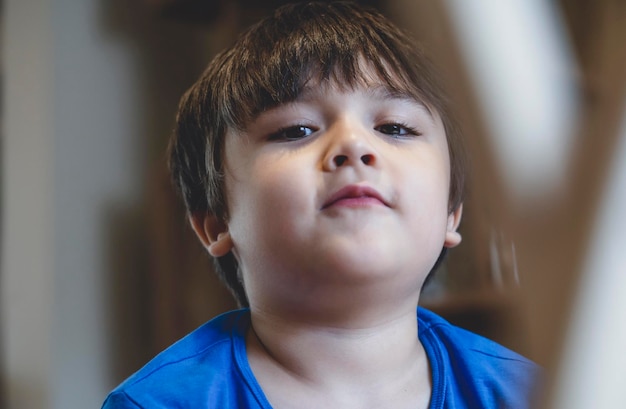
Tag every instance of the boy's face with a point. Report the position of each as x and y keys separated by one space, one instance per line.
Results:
x=339 y=191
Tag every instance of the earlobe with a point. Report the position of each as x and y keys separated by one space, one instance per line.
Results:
x=212 y=232
x=222 y=245
x=453 y=237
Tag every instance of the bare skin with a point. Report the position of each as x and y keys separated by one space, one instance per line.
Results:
x=301 y=366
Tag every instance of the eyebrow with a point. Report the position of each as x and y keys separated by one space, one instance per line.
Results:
x=384 y=92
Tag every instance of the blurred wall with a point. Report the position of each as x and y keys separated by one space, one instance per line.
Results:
x=90 y=92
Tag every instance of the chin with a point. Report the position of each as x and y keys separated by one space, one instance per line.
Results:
x=360 y=267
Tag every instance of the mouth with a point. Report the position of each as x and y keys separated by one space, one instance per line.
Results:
x=355 y=196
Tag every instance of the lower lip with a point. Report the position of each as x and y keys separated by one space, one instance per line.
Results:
x=356 y=202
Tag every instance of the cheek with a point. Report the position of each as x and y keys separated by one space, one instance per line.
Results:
x=267 y=201
x=428 y=176
x=427 y=184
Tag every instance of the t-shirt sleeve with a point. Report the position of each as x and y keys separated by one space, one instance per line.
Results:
x=119 y=400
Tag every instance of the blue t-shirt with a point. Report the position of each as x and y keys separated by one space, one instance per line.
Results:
x=209 y=369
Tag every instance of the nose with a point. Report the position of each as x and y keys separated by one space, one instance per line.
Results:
x=349 y=146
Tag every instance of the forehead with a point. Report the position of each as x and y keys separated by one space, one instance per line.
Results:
x=374 y=91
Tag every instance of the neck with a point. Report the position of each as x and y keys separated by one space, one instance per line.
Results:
x=379 y=361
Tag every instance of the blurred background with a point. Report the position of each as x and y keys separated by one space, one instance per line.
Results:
x=100 y=270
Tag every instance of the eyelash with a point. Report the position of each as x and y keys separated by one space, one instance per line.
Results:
x=283 y=133
x=410 y=131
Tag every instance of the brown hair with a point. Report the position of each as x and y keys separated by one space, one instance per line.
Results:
x=269 y=65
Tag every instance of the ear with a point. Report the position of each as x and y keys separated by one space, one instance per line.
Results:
x=212 y=232
x=453 y=237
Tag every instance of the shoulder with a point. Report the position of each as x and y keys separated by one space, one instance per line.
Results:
x=462 y=342
x=193 y=368
x=474 y=369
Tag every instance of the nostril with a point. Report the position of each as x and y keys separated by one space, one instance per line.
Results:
x=340 y=160
x=367 y=159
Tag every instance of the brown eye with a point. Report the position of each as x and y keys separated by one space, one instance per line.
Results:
x=396 y=130
x=291 y=133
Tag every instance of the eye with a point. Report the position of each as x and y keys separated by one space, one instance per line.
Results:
x=397 y=130
x=291 y=133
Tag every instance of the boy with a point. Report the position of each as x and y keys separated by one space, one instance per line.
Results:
x=321 y=168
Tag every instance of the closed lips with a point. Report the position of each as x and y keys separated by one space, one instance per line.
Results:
x=355 y=195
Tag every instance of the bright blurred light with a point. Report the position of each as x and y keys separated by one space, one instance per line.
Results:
x=593 y=370
x=518 y=56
